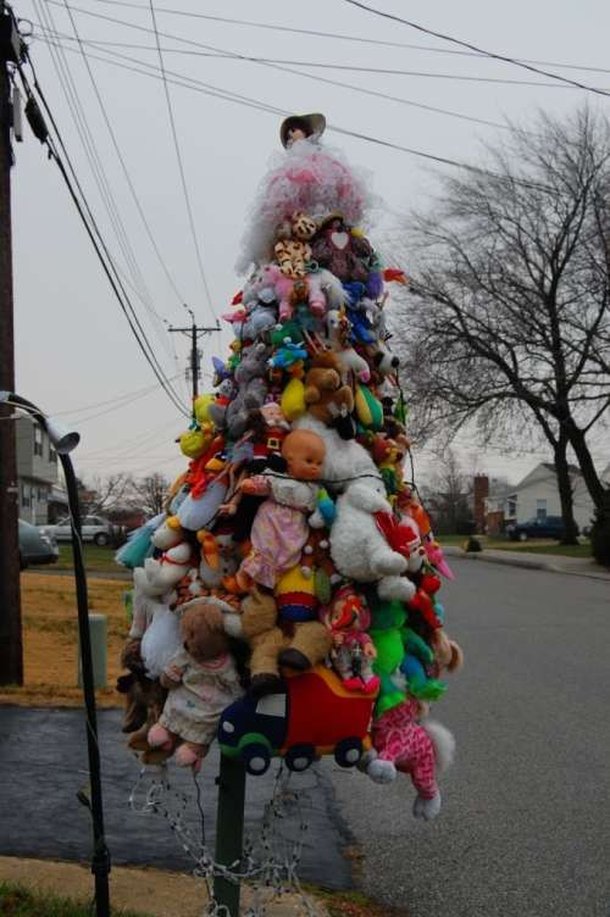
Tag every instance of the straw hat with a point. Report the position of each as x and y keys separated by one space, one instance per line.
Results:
x=310 y=124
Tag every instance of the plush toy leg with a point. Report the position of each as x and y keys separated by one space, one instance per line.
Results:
x=427 y=808
x=190 y=754
x=396 y=587
x=381 y=771
x=310 y=644
x=265 y=676
x=387 y=562
x=160 y=737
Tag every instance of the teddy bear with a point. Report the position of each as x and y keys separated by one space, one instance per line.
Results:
x=344 y=252
x=357 y=544
x=326 y=398
x=201 y=680
x=250 y=376
x=274 y=641
x=420 y=749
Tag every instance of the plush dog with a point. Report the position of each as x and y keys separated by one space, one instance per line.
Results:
x=419 y=749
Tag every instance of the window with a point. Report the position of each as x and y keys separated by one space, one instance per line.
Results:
x=52 y=455
x=37 y=440
x=26 y=495
x=42 y=495
x=511 y=507
x=541 y=510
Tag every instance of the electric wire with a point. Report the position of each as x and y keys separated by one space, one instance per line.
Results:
x=484 y=53
x=382 y=95
x=121 y=159
x=180 y=164
x=238 y=98
x=99 y=174
x=342 y=37
x=384 y=71
x=97 y=240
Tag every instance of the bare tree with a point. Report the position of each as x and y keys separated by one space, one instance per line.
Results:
x=449 y=497
x=150 y=493
x=509 y=318
x=106 y=494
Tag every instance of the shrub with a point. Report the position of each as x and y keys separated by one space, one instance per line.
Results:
x=600 y=532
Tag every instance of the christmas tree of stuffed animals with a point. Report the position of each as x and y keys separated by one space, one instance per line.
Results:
x=287 y=602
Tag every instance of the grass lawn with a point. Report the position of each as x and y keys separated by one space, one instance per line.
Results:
x=50 y=639
x=18 y=901
x=97 y=559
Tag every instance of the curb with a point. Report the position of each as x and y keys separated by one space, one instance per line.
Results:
x=513 y=560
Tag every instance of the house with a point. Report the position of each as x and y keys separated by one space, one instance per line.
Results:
x=537 y=496
x=41 y=499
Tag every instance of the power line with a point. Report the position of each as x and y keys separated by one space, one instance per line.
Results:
x=383 y=95
x=180 y=165
x=94 y=233
x=465 y=44
x=247 y=101
x=341 y=36
x=122 y=162
x=148 y=301
x=80 y=120
x=356 y=68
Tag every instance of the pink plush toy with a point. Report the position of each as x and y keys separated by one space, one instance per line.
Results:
x=280 y=528
x=420 y=750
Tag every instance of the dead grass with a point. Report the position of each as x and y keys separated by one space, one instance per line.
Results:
x=50 y=640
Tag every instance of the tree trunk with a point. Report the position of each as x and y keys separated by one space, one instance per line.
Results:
x=564 y=485
x=585 y=461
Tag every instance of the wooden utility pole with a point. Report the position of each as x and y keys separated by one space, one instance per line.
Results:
x=193 y=332
x=11 y=647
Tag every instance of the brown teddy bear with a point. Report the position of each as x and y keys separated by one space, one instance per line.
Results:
x=326 y=398
x=275 y=643
x=201 y=680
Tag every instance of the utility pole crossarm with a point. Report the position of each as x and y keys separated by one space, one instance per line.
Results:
x=193 y=331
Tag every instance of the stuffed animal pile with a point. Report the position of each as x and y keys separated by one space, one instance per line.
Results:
x=293 y=534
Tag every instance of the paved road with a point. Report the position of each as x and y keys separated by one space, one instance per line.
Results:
x=43 y=765
x=525 y=828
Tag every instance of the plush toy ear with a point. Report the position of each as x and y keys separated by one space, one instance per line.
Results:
x=312 y=394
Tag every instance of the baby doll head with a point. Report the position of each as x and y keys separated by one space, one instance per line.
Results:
x=304 y=452
x=202 y=630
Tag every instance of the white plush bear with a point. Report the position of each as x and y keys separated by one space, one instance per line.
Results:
x=163 y=573
x=357 y=546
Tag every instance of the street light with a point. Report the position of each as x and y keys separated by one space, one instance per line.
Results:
x=64 y=441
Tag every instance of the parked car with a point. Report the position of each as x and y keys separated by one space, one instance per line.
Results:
x=550 y=527
x=94 y=528
x=35 y=547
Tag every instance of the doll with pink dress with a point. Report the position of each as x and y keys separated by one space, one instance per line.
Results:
x=281 y=525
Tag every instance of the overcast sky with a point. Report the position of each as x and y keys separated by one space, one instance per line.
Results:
x=75 y=354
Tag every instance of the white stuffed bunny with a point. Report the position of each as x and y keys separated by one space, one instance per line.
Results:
x=357 y=545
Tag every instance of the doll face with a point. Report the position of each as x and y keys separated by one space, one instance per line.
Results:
x=304 y=452
x=295 y=133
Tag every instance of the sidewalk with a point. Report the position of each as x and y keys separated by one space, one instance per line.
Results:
x=151 y=891
x=554 y=563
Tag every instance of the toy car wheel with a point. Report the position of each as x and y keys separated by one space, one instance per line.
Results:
x=256 y=758
x=299 y=757
x=348 y=752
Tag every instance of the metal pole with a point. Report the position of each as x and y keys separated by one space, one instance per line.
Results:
x=194 y=361
x=100 y=863
x=229 y=829
x=11 y=647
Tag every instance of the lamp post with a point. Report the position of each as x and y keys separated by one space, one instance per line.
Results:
x=64 y=441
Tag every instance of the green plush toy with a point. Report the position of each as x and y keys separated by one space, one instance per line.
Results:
x=388 y=618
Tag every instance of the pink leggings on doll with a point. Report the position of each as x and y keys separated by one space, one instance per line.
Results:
x=398 y=738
